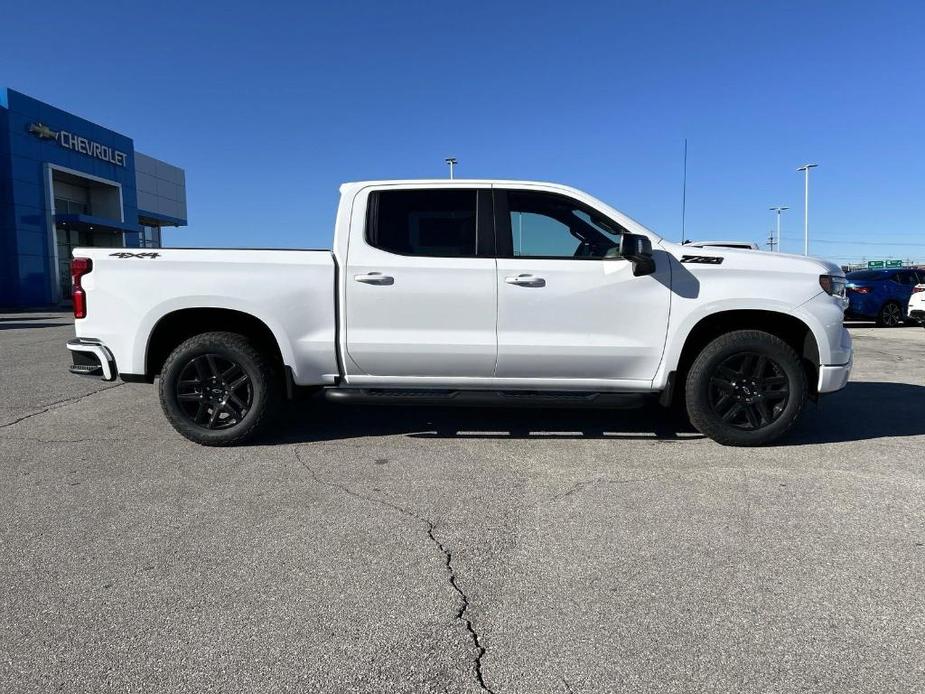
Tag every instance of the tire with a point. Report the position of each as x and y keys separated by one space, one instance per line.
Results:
x=746 y=388
x=890 y=315
x=217 y=389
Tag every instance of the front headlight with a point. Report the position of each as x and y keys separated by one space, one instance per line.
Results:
x=833 y=284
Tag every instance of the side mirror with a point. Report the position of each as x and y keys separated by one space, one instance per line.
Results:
x=637 y=249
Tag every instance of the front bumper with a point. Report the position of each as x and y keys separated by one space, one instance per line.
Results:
x=833 y=378
x=91 y=357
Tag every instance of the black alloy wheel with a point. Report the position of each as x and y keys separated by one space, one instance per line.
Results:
x=891 y=315
x=214 y=391
x=220 y=388
x=746 y=388
x=749 y=391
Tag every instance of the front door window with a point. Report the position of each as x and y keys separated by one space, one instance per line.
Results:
x=545 y=225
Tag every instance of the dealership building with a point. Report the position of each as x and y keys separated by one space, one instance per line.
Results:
x=66 y=182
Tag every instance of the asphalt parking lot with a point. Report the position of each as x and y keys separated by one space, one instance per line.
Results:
x=429 y=550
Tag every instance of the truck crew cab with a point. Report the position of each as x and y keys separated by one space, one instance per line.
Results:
x=461 y=291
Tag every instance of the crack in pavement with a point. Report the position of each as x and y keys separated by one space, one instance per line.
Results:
x=461 y=612
x=464 y=607
x=58 y=405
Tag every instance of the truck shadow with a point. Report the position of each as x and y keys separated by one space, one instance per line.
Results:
x=7 y=324
x=331 y=422
x=863 y=411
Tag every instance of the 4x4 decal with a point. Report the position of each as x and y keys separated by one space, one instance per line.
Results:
x=126 y=254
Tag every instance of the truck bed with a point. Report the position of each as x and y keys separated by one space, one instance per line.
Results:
x=130 y=290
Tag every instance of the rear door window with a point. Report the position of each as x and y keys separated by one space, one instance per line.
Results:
x=436 y=223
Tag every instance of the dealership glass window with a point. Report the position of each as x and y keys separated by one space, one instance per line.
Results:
x=65 y=206
x=151 y=237
x=545 y=225
x=437 y=223
x=67 y=240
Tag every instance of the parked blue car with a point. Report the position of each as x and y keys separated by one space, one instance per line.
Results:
x=881 y=295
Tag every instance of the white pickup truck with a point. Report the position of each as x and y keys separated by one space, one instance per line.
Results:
x=456 y=291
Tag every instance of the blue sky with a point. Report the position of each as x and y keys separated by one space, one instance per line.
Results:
x=269 y=106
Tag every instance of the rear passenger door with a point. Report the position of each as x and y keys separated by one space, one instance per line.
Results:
x=421 y=291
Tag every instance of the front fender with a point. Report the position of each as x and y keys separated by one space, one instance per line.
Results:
x=820 y=322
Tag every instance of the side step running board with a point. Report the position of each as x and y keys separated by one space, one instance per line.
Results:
x=482 y=398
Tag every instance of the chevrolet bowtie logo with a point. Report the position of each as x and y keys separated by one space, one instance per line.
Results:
x=43 y=132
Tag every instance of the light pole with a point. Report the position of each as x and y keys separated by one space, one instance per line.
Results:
x=778 y=210
x=805 y=169
x=452 y=162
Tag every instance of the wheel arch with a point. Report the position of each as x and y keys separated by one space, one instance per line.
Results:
x=174 y=327
x=791 y=329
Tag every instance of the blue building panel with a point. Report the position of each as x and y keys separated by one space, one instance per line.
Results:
x=46 y=152
x=33 y=242
x=33 y=280
x=9 y=273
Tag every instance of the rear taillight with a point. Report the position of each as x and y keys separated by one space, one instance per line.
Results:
x=79 y=268
x=918 y=288
x=859 y=290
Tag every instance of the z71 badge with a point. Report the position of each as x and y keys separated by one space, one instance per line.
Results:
x=126 y=254
x=702 y=259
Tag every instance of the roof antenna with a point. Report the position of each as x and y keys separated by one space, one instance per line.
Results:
x=452 y=162
x=683 y=196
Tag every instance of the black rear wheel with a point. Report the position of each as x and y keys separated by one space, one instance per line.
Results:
x=214 y=391
x=217 y=389
x=890 y=316
x=746 y=388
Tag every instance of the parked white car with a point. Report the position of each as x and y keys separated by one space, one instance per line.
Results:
x=917 y=303
x=450 y=291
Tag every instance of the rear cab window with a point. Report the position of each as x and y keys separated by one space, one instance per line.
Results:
x=441 y=223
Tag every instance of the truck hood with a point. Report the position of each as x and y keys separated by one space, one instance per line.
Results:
x=757 y=261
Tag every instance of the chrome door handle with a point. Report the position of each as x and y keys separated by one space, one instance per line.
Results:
x=375 y=278
x=526 y=281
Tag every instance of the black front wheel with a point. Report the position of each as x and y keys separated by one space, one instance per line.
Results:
x=217 y=389
x=746 y=388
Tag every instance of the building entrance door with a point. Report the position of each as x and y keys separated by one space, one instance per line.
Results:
x=67 y=239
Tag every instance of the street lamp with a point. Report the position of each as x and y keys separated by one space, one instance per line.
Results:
x=778 y=210
x=805 y=169
x=452 y=162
